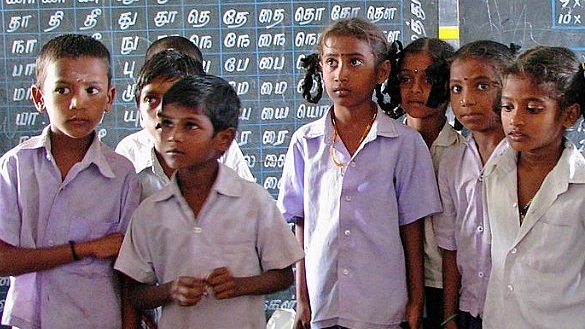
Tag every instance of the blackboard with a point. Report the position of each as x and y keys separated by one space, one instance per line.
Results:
x=528 y=23
x=255 y=45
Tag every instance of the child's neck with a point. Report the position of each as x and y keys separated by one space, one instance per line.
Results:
x=68 y=151
x=532 y=169
x=351 y=125
x=196 y=183
x=168 y=171
x=487 y=142
x=428 y=127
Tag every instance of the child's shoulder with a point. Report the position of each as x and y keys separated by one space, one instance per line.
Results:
x=134 y=144
x=116 y=161
x=18 y=151
x=230 y=180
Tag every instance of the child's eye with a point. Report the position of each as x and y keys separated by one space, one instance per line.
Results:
x=151 y=99
x=533 y=109
x=455 y=89
x=165 y=123
x=403 y=80
x=506 y=107
x=93 y=90
x=330 y=62
x=356 y=62
x=191 y=126
x=62 y=90
x=483 y=86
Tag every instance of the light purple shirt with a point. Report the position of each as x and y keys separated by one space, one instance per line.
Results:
x=460 y=226
x=355 y=266
x=39 y=209
x=238 y=227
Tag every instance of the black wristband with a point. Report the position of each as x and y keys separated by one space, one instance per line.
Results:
x=72 y=246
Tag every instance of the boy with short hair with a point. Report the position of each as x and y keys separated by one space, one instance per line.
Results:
x=174 y=42
x=156 y=77
x=208 y=245
x=66 y=198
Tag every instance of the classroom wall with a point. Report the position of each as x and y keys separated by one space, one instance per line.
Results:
x=256 y=46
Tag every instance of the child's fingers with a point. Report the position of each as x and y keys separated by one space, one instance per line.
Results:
x=187 y=291
x=224 y=290
x=218 y=275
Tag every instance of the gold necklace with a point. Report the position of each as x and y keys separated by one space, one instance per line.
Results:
x=524 y=210
x=335 y=134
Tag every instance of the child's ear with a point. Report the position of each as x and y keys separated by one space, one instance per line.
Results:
x=224 y=139
x=571 y=115
x=111 y=98
x=37 y=97
x=383 y=71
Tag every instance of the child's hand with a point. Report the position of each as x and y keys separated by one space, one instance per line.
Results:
x=105 y=247
x=222 y=282
x=187 y=291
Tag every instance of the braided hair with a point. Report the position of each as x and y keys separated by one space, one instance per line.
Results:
x=312 y=84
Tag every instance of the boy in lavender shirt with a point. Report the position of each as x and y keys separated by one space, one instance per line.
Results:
x=66 y=198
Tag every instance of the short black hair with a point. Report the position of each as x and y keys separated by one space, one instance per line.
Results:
x=73 y=46
x=167 y=64
x=211 y=95
x=174 y=42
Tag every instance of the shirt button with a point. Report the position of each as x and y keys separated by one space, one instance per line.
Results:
x=345 y=271
x=510 y=287
x=514 y=205
x=352 y=164
x=197 y=230
x=480 y=274
x=480 y=229
x=514 y=250
x=51 y=243
x=347 y=232
x=348 y=198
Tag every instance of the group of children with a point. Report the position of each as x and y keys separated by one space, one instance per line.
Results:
x=393 y=219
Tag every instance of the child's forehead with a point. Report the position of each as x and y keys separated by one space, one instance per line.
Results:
x=84 y=67
x=160 y=84
x=175 y=109
x=473 y=66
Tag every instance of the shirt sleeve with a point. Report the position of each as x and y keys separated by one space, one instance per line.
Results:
x=10 y=218
x=291 y=194
x=134 y=258
x=444 y=222
x=416 y=184
x=277 y=246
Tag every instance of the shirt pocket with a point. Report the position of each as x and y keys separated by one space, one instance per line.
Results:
x=83 y=229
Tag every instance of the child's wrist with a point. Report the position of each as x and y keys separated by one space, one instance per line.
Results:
x=73 y=252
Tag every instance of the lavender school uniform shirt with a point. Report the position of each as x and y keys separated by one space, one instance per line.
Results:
x=39 y=209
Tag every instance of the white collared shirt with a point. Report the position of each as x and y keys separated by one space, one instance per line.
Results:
x=538 y=268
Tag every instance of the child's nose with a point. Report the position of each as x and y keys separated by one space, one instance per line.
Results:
x=342 y=73
x=175 y=135
x=417 y=85
x=516 y=118
x=76 y=101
